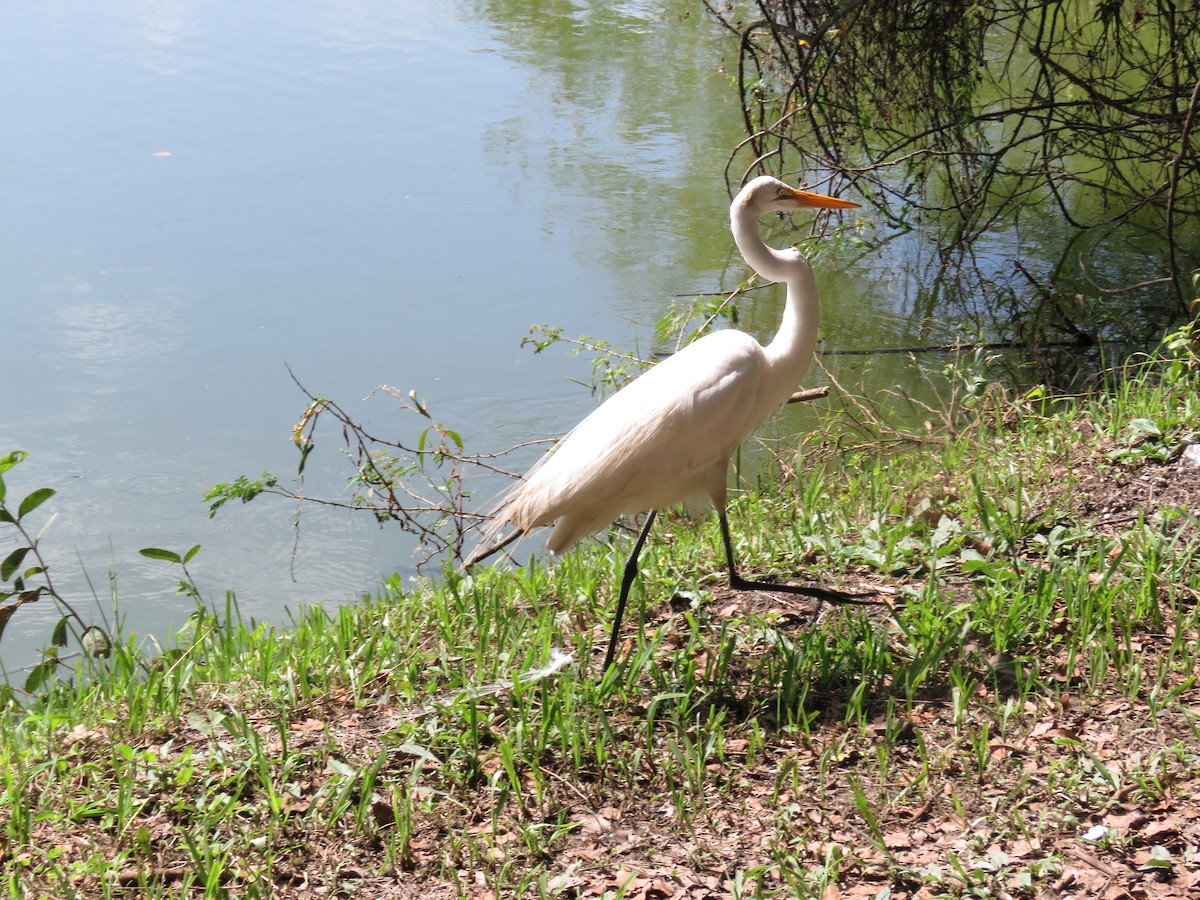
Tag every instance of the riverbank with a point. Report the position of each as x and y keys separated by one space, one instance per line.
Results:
x=1021 y=720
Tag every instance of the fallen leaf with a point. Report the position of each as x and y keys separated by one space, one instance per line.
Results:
x=293 y=805
x=658 y=888
x=595 y=824
x=1162 y=831
x=897 y=840
x=1125 y=822
x=1023 y=847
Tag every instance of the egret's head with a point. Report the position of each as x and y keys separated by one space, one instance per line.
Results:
x=767 y=194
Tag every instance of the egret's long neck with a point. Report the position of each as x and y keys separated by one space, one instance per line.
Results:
x=791 y=350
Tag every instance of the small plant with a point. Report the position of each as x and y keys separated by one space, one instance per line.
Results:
x=25 y=578
x=421 y=483
x=611 y=369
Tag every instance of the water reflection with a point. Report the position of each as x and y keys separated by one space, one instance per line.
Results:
x=102 y=335
x=628 y=126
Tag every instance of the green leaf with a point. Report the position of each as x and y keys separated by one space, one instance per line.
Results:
x=39 y=673
x=305 y=449
x=59 y=638
x=1144 y=426
x=164 y=555
x=202 y=724
x=418 y=751
x=418 y=405
x=187 y=557
x=241 y=488
x=341 y=768
x=10 y=459
x=973 y=562
x=34 y=500
x=12 y=562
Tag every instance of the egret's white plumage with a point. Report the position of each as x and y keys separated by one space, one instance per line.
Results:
x=664 y=439
x=667 y=437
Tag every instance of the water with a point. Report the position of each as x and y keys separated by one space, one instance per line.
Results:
x=200 y=196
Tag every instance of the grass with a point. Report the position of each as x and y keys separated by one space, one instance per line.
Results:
x=1035 y=682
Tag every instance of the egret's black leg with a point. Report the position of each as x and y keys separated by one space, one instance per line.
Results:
x=738 y=583
x=627 y=577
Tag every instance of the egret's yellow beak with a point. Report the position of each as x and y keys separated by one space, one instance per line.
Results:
x=809 y=199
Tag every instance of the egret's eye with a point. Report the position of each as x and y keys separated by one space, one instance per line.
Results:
x=781 y=193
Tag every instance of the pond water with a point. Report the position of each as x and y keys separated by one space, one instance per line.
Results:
x=200 y=196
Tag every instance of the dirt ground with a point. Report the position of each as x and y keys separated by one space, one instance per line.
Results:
x=1146 y=851
x=1101 y=841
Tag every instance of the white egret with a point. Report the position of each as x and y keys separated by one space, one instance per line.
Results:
x=666 y=438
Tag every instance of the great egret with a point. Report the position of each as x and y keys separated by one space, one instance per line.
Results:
x=667 y=437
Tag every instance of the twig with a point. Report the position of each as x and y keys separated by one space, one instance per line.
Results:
x=811 y=394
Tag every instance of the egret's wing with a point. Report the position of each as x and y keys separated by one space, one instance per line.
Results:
x=654 y=443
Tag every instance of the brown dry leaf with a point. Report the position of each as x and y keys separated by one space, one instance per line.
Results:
x=1141 y=858
x=1125 y=822
x=82 y=733
x=1187 y=880
x=897 y=840
x=1022 y=847
x=1061 y=733
x=308 y=726
x=591 y=854
x=294 y=805
x=1162 y=831
x=1042 y=727
x=630 y=881
x=831 y=892
x=595 y=824
x=871 y=857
